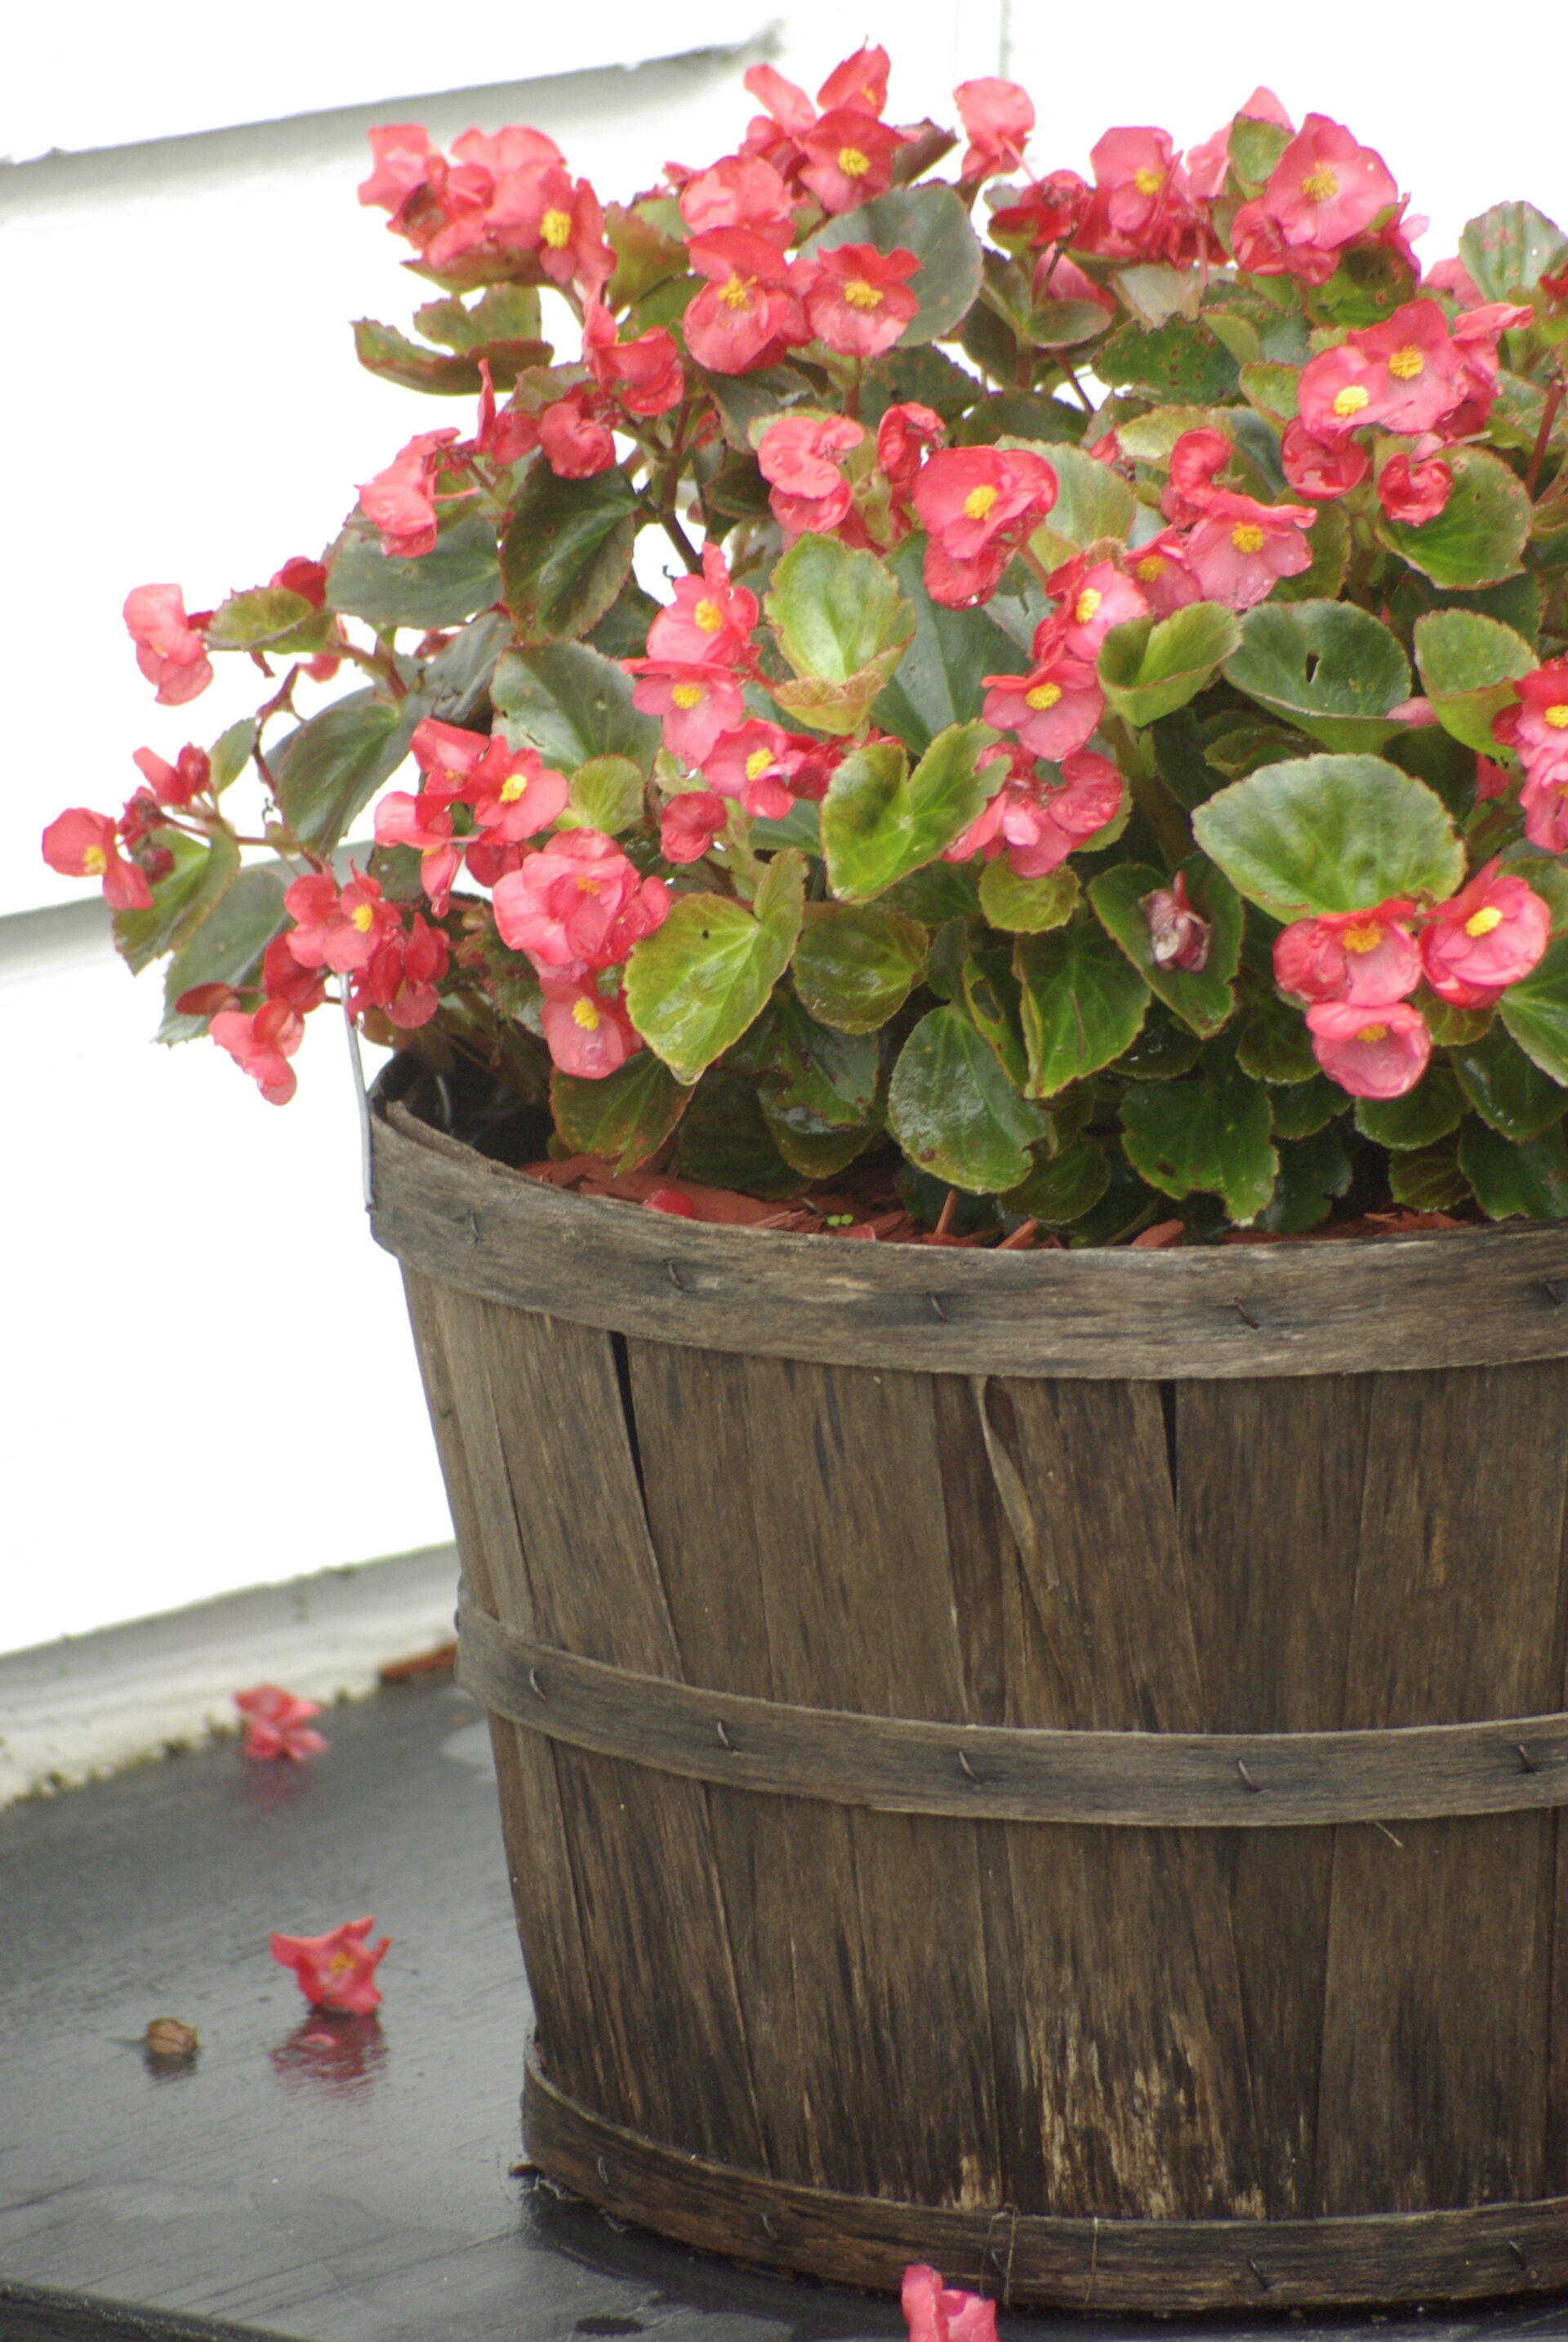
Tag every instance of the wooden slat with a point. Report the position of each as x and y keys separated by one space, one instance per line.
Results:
x=1121 y=1966
x=642 y=1860
x=1435 y=2034
x=1488 y=1297
x=1269 y=1492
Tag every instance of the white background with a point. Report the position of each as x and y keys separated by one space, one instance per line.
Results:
x=211 y=1383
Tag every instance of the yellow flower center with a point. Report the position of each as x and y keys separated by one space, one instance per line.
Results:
x=95 y=862
x=339 y=1965
x=585 y=1014
x=586 y=886
x=1481 y=923
x=1320 y=186
x=1152 y=566
x=738 y=292
x=1147 y=182
x=861 y=295
x=1372 y=1033
x=1407 y=363
x=556 y=227
x=1044 y=695
x=687 y=695
x=1247 y=536
x=1363 y=937
x=757 y=762
x=363 y=917
x=852 y=163
x=1558 y=716
x=1351 y=400
x=708 y=615
x=979 y=501
x=513 y=787
x=1088 y=602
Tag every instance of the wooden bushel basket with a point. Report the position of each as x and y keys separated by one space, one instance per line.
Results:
x=1045 y=1763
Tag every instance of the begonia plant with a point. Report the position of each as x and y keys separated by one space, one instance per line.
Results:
x=927 y=692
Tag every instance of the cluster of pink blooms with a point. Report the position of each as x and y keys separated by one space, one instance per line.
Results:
x=277 y=1724
x=1536 y=729
x=337 y=1970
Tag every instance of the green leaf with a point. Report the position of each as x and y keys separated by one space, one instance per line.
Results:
x=1508 y=250
x=1301 y=1108
x=456 y=684
x=954 y=1111
x=567 y=551
x=1420 y=1119
x=854 y=967
x=1273 y=390
x=880 y=821
x=1148 y=668
x=817 y=1087
x=1528 y=1182
x=1313 y=1172
x=383 y=350
x=645 y=256
x=572 y=704
x=931 y=223
x=1273 y=1044
x=225 y=948
x=1321 y=834
x=1156 y=292
x=1092 y=502
x=1255 y=147
x=625 y=1118
x=1203 y=1000
x=942 y=891
x=1181 y=362
x=231 y=753
x=268 y=618
x=1431 y=1179
x=1059 y=1192
x=1082 y=1003
x=836 y=611
x=695 y=983
x=1212 y=1134
x=202 y=873
x=1328 y=542
x=1479 y=536
x=1506 y=1088
x=726 y=1141
x=505 y=313
x=328 y=770
x=939 y=680
x=1027 y=906
x=606 y=795
x=1467 y=664
x=1330 y=668
x=460 y=575
x=1535 y=1011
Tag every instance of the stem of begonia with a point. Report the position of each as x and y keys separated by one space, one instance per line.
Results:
x=1543 y=437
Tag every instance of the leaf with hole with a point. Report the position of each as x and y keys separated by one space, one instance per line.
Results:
x=1330 y=668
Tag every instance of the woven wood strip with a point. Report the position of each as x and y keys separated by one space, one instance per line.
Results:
x=1037 y=2261
x=1486 y=1296
x=996 y=1773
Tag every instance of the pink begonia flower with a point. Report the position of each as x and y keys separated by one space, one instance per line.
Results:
x=766 y=768
x=400 y=501
x=1039 y=823
x=514 y=794
x=645 y=374
x=799 y=459
x=1178 y=936
x=997 y=118
x=1135 y=175
x=1474 y=334
x=1260 y=248
x=977 y=506
x=402 y=974
x=261 y=1044
x=1093 y=597
x=283 y=978
x=577 y=903
x=710 y=621
x=1342 y=388
x=850 y=158
x=1405 y=373
x=1540 y=726
x=859 y=82
x=339 y=931
x=1190 y=488
x=1054 y=708
x=1364 y=956
x=1322 y=469
x=84 y=845
x=1452 y=277
x=1492 y=780
x=1484 y=939
x=1326 y=188
x=1049 y=211
x=938 y=2313
x=689 y=823
x=170 y=650
x=1413 y=495
x=859 y=301
x=422 y=823
x=577 y=444
x=904 y=437
x=404 y=156
x=277 y=1724
x=189 y=776
x=749 y=305
x=586 y=1034
x=337 y=1970
x=1163 y=574
x=739 y=191
x=1372 y=1052
x=696 y=700
x=1544 y=801
x=1240 y=549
